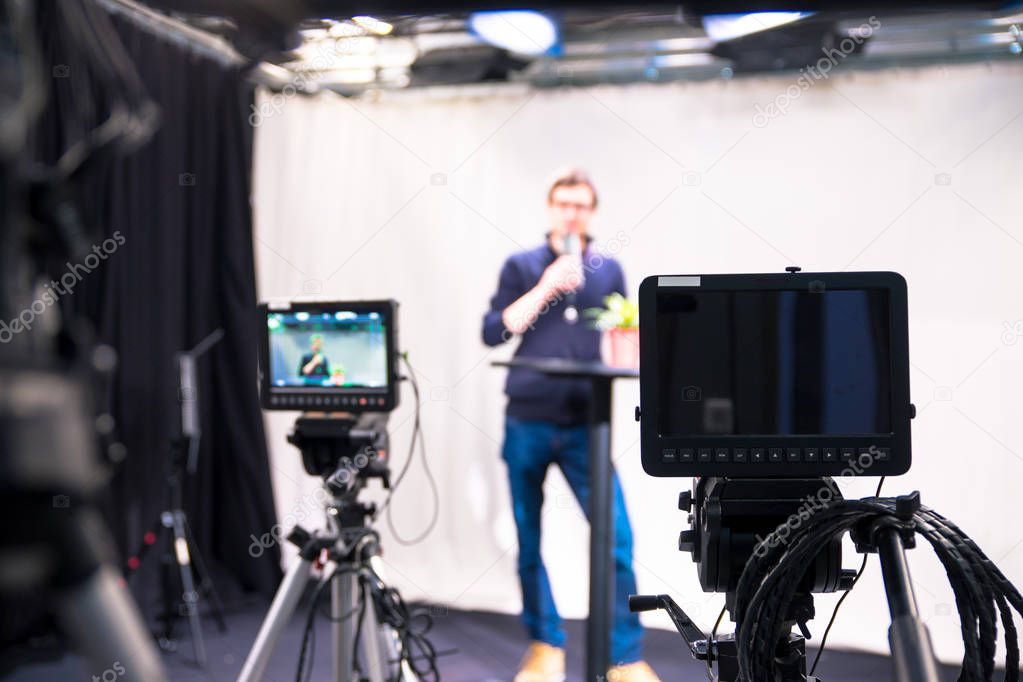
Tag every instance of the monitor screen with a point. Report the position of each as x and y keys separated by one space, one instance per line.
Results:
x=339 y=348
x=774 y=362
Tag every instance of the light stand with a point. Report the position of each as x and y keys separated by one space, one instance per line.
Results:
x=181 y=549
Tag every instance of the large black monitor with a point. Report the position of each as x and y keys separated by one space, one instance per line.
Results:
x=775 y=375
x=329 y=356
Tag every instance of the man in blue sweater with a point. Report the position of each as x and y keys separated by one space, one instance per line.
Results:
x=539 y=297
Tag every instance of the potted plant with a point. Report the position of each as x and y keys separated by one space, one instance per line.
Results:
x=619 y=320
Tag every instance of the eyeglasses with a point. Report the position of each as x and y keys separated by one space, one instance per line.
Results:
x=566 y=205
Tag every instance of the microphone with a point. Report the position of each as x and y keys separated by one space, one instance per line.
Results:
x=574 y=248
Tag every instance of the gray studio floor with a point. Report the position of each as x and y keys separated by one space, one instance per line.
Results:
x=485 y=648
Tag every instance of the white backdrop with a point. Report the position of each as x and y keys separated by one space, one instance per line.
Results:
x=420 y=196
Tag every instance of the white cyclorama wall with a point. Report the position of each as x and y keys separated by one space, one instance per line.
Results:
x=420 y=196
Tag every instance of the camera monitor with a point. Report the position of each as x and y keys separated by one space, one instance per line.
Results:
x=338 y=356
x=791 y=375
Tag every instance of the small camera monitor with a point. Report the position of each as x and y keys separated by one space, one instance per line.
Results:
x=329 y=356
x=795 y=375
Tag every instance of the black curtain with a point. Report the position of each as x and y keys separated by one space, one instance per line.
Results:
x=180 y=213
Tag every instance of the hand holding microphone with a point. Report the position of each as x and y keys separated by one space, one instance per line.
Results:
x=574 y=250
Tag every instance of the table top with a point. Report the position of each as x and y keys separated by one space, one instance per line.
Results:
x=567 y=367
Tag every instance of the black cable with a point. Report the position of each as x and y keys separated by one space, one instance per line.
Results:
x=417 y=437
x=411 y=447
x=984 y=597
x=411 y=627
x=841 y=600
x=309 y=632
x=358 y=627
x=710 y=643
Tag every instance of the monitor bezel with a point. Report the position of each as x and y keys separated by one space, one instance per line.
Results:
x=655 y=449
x=336 y=399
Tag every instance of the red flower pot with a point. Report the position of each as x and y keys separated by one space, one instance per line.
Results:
x=624 y=347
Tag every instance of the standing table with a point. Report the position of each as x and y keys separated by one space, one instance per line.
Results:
x=600 y=376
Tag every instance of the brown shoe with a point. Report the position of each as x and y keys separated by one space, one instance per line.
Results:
x=542 y=663
x=632 y=672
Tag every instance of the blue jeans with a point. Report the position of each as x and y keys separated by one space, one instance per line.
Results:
x=529 y=448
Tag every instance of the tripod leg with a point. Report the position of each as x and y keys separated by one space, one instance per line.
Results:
x=281 y=610
x=167 y=617
x=343 y=598
x=390 y=645
x=910 y=642
x=205 y=582
x=190 y=597
x=375 y=657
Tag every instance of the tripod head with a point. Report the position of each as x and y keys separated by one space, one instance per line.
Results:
x=730 y=519
x=345 y=457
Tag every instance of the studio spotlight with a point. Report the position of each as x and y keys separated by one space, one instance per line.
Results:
x=519 y=31
x=722 y=27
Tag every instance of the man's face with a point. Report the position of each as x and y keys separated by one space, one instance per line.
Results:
x=570 y=210
x=317 y=345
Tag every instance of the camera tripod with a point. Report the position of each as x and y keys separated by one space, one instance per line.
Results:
x=348 y=555
x=729 y=517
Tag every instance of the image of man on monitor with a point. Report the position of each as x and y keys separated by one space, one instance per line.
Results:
x=314 y=363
